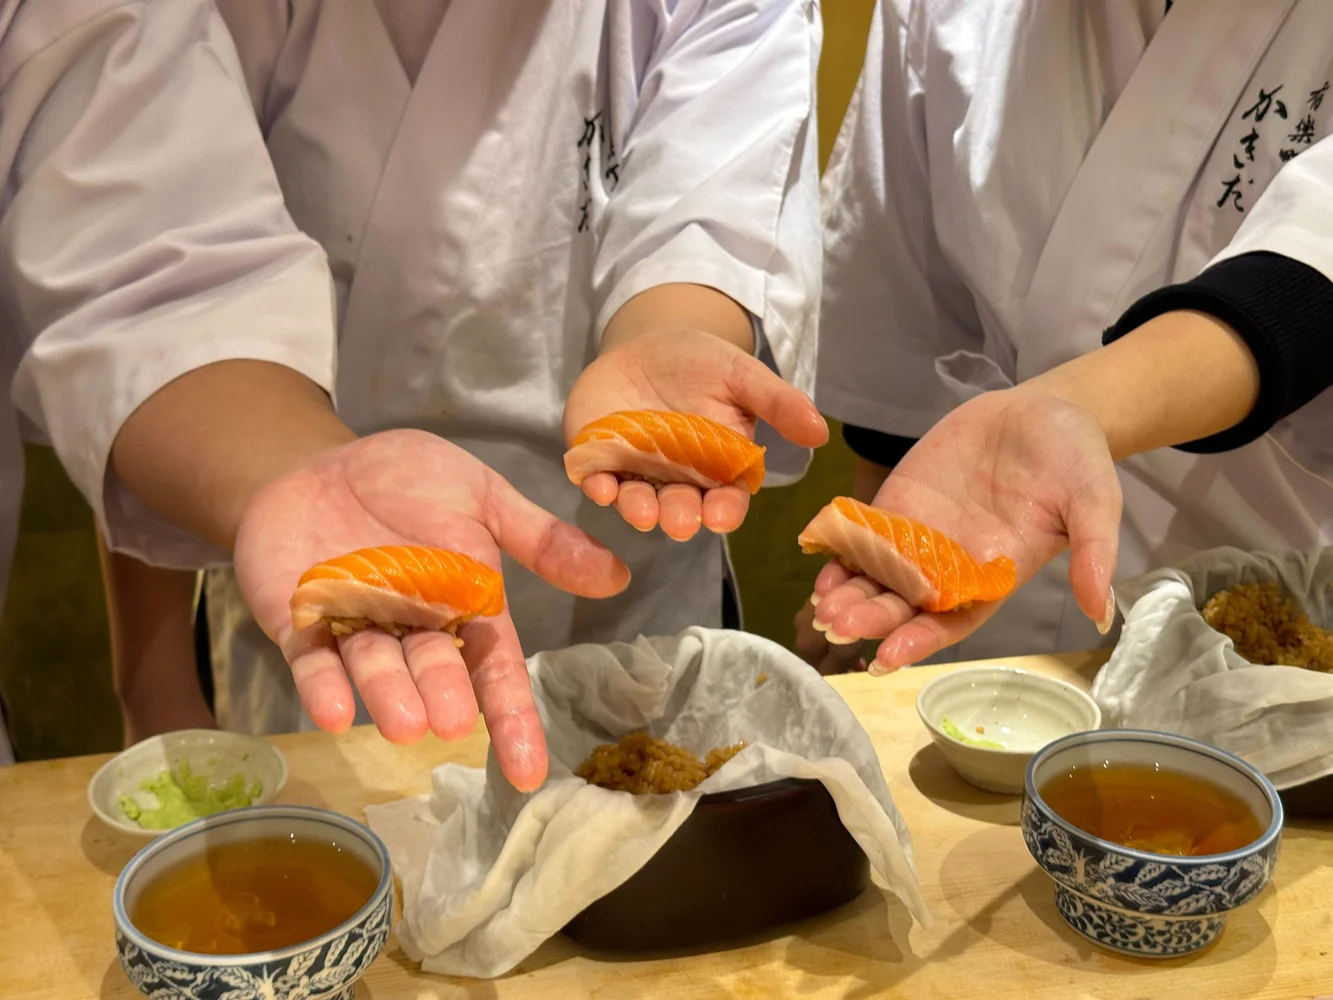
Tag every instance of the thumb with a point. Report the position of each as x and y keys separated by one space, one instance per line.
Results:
x=1093 y=524
x=759 y=390
x=561 y=554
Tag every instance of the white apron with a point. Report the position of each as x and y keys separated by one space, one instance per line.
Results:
x=13 y=343
x=1011 y=221
x=55 y=267
x=482 y=225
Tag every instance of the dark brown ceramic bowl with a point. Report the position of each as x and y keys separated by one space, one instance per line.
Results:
x=745 y=861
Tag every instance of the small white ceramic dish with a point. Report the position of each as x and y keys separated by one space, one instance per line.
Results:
x=326 y=967
x=209 y=753
x=1019 y=710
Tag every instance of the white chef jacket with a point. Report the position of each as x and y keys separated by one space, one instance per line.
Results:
x=486 y=216
x=1013 y=174
x=117 y=271
x=481 y=224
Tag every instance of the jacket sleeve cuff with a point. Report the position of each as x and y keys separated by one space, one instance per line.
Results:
x=79 y=385
x=1281 y=308
x=876 y=446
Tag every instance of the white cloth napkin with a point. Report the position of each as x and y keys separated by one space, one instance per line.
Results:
x=488 y=874
x=1170 y=671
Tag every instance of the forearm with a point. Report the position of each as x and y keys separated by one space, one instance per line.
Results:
x=1177 y=378
x=680 y=306
x=149 y=611
x=198 y=449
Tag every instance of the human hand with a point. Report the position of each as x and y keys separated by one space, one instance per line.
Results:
x=398 y=488
x=689 y=372
x=826 y=657
x=1019 y=472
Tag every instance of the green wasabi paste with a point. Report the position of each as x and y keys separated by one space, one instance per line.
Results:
x=954 y=732
x=183 y=796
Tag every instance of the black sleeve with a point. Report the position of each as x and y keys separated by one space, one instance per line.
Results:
x=1282 y=308
x=876 y=446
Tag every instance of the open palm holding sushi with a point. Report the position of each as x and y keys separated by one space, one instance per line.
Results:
x=987 y=497
x=331 y=534
x=430 y=521
x=662 y=423
x=1016 y=476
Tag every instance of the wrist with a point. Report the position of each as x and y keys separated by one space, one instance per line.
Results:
x=309 y=444
x=200 y=449
x=680 y=307
x=1179 y=377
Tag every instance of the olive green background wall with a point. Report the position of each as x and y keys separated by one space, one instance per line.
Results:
x=55 y=668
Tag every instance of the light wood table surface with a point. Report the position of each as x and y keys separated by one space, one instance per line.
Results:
x=998 y=934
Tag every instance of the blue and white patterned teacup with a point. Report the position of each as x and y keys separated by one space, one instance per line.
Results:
x=1141 y=904
x=324 y=968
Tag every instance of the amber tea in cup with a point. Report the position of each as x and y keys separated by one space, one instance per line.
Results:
x=1147 y=808
x=247 y=896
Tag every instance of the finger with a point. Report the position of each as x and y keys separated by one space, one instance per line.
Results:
x=910 y=644
x=838 y=600
x=681 y=511
x=375 y=662
x=926 y=634
x=841 y=659
x=833 y=575
x=602 y=488
x=725 y=508
x=875 y=618
x=809 y=643
x=757 y=389
x=830 y=664
x=638 y=505
x=504 y=692
x=559 y=553
x=321 y=679
x=437 y=669
x=1093 y=523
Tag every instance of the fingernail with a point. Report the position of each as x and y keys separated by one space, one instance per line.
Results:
x=877 y=669
x=821 y=626
x=838 y=640
x=1104 y=626
x=814 y=600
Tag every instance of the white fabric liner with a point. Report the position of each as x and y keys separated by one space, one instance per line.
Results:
x=1170 y=671
x=488 y=873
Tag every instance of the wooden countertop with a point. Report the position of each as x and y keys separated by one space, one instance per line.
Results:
x=998 y=934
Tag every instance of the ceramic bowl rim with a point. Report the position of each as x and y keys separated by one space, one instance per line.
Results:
x=126 y=825
x=1257 y=846
x=1028 y=676
x=229 y=818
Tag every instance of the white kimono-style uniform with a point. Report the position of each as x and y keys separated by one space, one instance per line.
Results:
x=1013 y=174
x=486 y=200
x=116 y=273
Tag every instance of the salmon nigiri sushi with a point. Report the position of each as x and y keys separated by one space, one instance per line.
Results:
x=398 y=588
x=661 y=446
x=927 y=569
